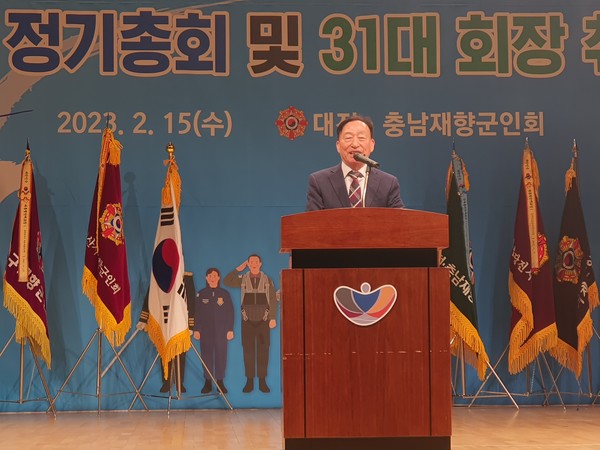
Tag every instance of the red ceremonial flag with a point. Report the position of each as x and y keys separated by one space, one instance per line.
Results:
x=105 y=279
x=168 y=327
x=24 y=286
x=575 y=288
x=533 y=325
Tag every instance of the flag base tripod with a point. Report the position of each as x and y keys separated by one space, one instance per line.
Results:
x=460 y=360
x=580 y=393
x=530 y=373
x=98 y=334
x=176 y=374
x=22 y=398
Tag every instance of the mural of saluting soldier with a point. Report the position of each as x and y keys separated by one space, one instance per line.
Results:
x=259 y=312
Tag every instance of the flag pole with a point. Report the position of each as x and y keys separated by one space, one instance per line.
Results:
x=575 y=151
x=13 y=285
x=114 y=333
x=15 y=113
x=21 y=399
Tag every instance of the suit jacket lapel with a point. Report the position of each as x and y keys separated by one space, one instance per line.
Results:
x=339 y=185
x=372 y=186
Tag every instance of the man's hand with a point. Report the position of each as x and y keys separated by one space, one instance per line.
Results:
x=197 y=335
x=141 y=326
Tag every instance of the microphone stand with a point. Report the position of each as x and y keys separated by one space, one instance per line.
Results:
x=364 y=197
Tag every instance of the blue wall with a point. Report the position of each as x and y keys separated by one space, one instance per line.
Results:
x=238 y=184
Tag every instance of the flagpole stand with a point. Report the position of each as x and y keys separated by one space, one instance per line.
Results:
x=98 y=334
x=492 y=394
x=176 y=373
x=22 y=399
x=528 y=392
x=555 y=388
x=590 y=369
x=580 y=393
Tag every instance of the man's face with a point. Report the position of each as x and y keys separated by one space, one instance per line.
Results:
x=355 y=138
x=254 y=264
x=212 y=279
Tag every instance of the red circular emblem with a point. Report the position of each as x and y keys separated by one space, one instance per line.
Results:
x=291 y=123
x=111 y=223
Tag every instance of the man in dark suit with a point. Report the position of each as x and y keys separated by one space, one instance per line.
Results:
x=343 y=185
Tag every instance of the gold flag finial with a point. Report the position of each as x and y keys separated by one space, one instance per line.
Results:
x=170 y=149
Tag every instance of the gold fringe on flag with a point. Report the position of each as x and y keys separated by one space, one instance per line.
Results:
x=28 y=323
x=521 y=353
x=114 y=332
x=569 y=357
x=178 y=344
x=475 y=353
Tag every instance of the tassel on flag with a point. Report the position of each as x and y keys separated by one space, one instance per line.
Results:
x=533 y=324
x=105 y=278
x=575 y=289
x=167 y=301
x=24 y=285
x=458 y=259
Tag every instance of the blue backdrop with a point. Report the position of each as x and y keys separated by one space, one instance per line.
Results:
x=249 y=92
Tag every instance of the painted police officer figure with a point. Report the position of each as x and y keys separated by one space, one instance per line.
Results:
x=213 y=326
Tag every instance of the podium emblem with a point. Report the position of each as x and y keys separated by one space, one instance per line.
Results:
x=365 y=307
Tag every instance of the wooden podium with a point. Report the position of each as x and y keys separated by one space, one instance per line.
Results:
x=381 y=386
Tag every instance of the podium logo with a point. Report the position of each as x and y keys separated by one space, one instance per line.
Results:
x=366 y=307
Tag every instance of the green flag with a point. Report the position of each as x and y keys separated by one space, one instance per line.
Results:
x=457 y=258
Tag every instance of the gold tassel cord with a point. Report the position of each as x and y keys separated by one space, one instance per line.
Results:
x=593 y=297
x=25 y=193
x=172 y=178
x=109 y=154
x=531 y=185
x=569 y=176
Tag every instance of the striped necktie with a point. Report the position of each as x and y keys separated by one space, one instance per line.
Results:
x=354 y=193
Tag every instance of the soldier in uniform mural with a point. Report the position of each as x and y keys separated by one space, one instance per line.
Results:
x=213 y=326
x=259 y=311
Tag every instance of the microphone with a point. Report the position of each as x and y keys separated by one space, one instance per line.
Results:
x=365 y=159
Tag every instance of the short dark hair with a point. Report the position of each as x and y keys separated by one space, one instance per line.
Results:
x=364 y=119
x=211 y=270
x=254 y=254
